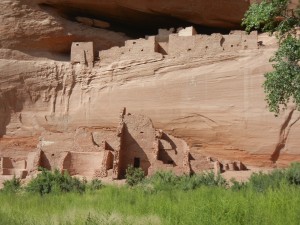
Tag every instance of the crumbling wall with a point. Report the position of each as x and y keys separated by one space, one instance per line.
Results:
x=106 y=139
x=137 y=144
x=200 y=45
x=174 y=155
x=84 y=141
x=9 y=167
x=106 y=165
x=33 y=160
x=118 y=163
x=133 y=50
x=83 y=163
x=162 y=40
x=239 y=40
x=83 y=53
x=185 y=42
x=180 y=45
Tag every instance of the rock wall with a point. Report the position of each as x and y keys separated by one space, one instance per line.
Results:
x=133 y=50
x=141 y=13
x=210 y=97
x=215 y=103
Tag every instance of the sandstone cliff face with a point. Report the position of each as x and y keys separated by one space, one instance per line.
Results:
x=142 y=12
x=215 y=102
x=44 y=28
x=40 y=31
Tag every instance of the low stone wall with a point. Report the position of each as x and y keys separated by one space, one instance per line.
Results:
x=83 y=163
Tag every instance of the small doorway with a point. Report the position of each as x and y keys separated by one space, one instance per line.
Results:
x=136 y=163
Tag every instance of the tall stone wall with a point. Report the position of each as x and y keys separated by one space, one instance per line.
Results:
x=83 y=53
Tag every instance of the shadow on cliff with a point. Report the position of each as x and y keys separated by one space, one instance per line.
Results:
x=10 y=103
x=284 y=134
x=131 y=150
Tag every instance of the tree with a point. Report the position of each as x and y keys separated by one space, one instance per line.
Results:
x=282 y=85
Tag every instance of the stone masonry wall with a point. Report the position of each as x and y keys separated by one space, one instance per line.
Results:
x=185 y=42
x=83 y=53
x=133 y=50
x=211 y=44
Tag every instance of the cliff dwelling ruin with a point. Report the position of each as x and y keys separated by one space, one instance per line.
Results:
x=107 y=153
x=167 y=43
x=92 y=152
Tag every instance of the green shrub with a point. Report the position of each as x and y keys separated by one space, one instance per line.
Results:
x=134 y=175
x=12 y=186
x=48 y=182
x=261 y=182
x=95 y=184
x=166 y=180
x=282 y=84
x=293 y=174
x=260 y=16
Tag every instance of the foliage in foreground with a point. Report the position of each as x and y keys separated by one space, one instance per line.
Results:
x=162 y=181
x=134 y=175
x=48 y=182
x=261 y=182
x=282 y=85
x=12 y=186
x=123 y=205
x=271 y=198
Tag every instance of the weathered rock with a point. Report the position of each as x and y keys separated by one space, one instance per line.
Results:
x=42 y=31
x=215 y=102
x=145 y=13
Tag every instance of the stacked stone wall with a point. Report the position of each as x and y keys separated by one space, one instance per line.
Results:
x=200 y=45
x=133 y=50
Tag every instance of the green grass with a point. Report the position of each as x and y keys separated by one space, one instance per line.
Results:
x=123 y=205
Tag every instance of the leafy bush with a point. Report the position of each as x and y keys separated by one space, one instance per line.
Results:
x=261 y=16
x=12 y=186
x=293 y=174
x=261 y=182
x=282 y=84
x=134 y=175
x=236 y=185
x=166 y=180
x=95 y=184
x=47 y=182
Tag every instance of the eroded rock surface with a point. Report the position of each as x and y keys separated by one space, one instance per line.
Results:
x=204 y=90
x=214 y=101
x=40 y=31
x=216 y=13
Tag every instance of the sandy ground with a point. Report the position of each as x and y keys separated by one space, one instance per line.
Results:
x=243 y=176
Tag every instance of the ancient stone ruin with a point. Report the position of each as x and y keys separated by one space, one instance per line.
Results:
x=100 y=153
x=106 y=153
x=83 y=53
x=167 y=43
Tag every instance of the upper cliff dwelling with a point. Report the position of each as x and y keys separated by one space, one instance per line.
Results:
x=167 y=43
x=58 y=23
